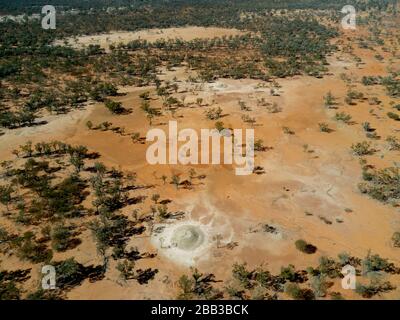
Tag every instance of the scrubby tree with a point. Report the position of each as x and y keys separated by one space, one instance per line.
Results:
x=329 y=100
x=6 y=195
x=305 y=247
x=60 y=237
x=176 y=180
x=155 y=197
x=114 y=107
x=324 y=127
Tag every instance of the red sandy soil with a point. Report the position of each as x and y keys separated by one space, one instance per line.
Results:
x=322 y=183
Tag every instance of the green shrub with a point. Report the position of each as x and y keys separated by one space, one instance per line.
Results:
x=9 y=291
x=219 y=125
x=324 y=127
x=329 y=100
x=392 y=86
x=374 y=262
x=328 y=267
x=394 y=143
x=345 y=259
x=32 y=251
x=294 y=291
x=89 y=125
x=355 y=95
x=259 y=145
x=305 y=247
x=60 y=237
x=114 y=107
x=370 y=80
x=367 y=127
x=320 y=285
x=126 y=269
x=343 y=117
x=382 y=185
x=68 y=273
x=374 y=288
x=362 y=148
x=6 y=195
x=240 y=272
x=42 y=294
x=288 y=273
x=336 y=296
x=393 y=116
x=396 y=239
x=102 y=90
x=197 y=286
x=214 y=113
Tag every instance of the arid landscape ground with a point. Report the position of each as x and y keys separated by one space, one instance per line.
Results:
x=314 y=149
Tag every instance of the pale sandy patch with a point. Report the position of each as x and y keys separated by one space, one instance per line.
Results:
x=114 y=38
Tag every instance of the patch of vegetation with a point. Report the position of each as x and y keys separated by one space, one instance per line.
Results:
x=289 y=273
x=362 y=148
x=8 y=283
x=353 y=95
x=115 y=107
x=371 y=80
x=392 y=85
x=320 y=285
x=198 y=286
x=381 y=184
x=329 y=100
x=30 y=249
x=126 y=269
x=70 y=273
x=343 y=117
x=374 y=263
x=393 y=116
x=62 y=238
x=324 y=127
x=375 y=287
x=214 y=113
x=396 y=239
x=394 y=143
x=305 y=247
x=9 y=291
x=42 y=294
x=294 y=291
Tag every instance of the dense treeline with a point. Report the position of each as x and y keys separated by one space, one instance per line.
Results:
x=33 y=71
x=309 y=284
x=35 y=74
x=32 y=6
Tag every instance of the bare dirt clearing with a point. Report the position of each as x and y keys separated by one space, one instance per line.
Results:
x=151 y=35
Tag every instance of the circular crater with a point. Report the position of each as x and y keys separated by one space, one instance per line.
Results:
x=187 y=237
